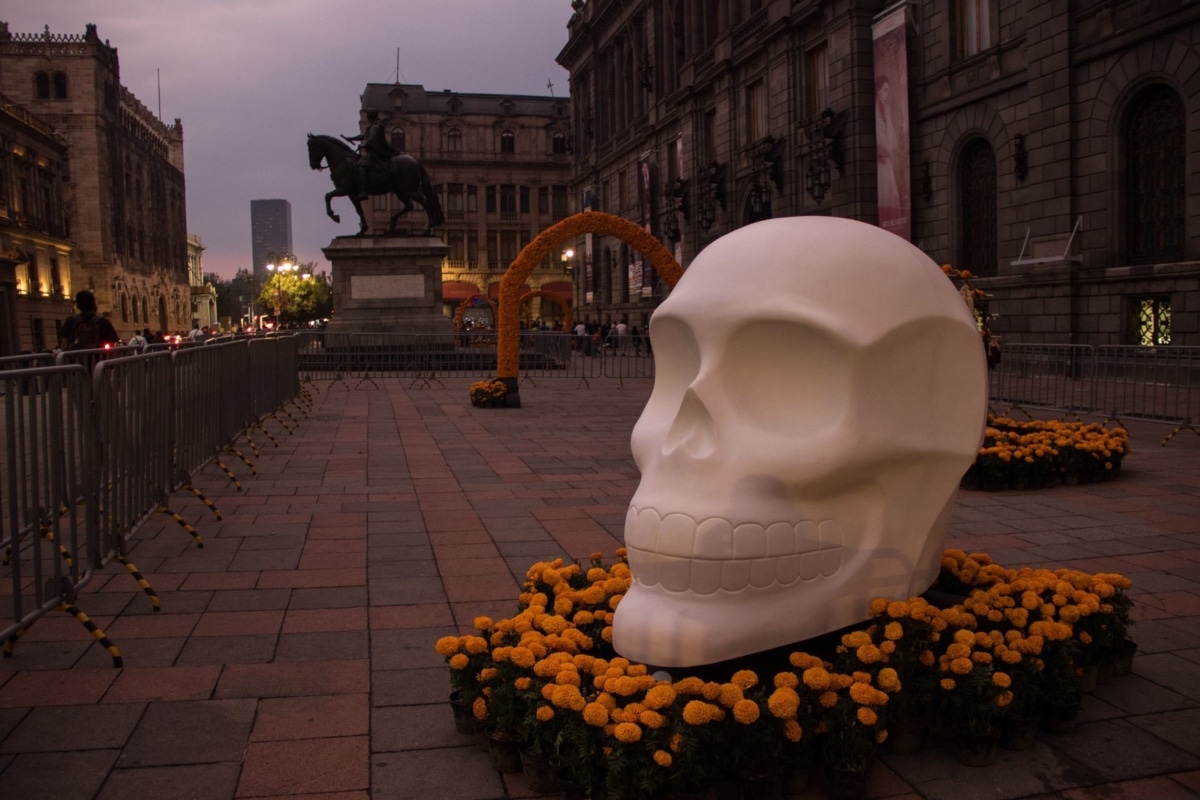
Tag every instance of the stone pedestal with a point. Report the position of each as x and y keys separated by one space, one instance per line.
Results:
x=387 y=284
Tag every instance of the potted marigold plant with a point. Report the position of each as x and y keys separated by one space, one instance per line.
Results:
x=903 y=632
x=488 y=393
x=849 y=731
x=973 y=696
x=467 y=657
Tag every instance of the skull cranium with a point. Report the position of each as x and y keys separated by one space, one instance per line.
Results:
x=820 y=389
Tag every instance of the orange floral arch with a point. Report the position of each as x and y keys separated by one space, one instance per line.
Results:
x=568 y=319
x=508 y=325
x=465 y=304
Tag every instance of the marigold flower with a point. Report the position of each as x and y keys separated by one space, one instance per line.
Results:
x=926 y=658
x=783 y=703
x=483 y=623
x=730 y=694
x=867 y=716
x=961 y=666
x=595 y=715
x=881 y=736
x=487 y=674
x=459 y=661
x=523 y=657
x=792 y=730
x=1001 y=679
x=868 y=654
x=897 y=609
x=660 y=696
x=545 y=713
x=711 y=691
x=816 y=678
x=746 y=711
x=662 y=758
x=652 y=719
x=893 y=631
x=889 y=680
x=828 y=699
x=744 y=679
x=446 y=646
x=786 y=679
x=947 y=684
x=479 y=709
x=627 y=732
x=475 y=644
x=697 y=712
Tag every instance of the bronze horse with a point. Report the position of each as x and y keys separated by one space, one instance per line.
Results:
x=404 y=177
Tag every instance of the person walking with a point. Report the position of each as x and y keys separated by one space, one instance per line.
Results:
x=87 y=330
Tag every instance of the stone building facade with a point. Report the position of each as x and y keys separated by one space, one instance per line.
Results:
x=35 y=252
x=501 y=165
x=124 y=196
x=1028 y=121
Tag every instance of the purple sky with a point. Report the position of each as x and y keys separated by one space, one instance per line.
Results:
x=249 y=78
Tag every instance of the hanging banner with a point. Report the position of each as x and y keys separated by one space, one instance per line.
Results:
x=585 y=204
x=640 y=279
x=679 y=218
x=891 y=122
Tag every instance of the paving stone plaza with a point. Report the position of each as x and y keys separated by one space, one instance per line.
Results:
x=293 y=656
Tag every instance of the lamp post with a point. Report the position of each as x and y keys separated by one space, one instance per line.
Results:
x=280 y=264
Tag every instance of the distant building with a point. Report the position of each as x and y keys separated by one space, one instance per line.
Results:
x=501 y=165
x=123 y=176
x=35 y=253
x=1049 y=148
x=271 y=233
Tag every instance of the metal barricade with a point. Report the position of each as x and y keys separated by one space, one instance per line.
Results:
x=1150 y=383
x=134 y=398
x=200 y=391
x=48 y=513
x=1045 y=376
x=90 y=358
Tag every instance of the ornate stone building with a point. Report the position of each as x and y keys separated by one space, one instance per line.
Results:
x=1048 y=147
x=501 y=165
x=35 y=252
x=124 y=193
x=204 y=295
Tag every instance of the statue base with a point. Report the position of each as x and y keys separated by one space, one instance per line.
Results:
x=387 y=284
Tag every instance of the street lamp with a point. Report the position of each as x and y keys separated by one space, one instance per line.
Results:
x=567 y=255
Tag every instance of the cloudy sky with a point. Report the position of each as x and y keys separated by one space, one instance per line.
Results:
x=249 y=78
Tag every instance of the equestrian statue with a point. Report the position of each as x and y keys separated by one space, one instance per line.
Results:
x=378 y=170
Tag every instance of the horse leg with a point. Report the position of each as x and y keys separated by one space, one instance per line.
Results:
x=329 y=205
x=362 y=218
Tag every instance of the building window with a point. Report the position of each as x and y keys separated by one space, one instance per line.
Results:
x=454 y=141
x=756 y=112
x=524 y=199
x=508 y=142
x=491 y=200
x=41 y=83
x=977 y=197
x=710 y=136
x=60 y=86
x=454 y=199
x=472 y=199
x=1155 y=168
x=125 y=308
x=818 y=80
x=398 y=140
x=973 y=26
x=559 y=199
x=508 y=198
x=543 y=200
x=1152 y=321
x=558 y=144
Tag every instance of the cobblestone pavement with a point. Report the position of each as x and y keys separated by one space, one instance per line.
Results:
x=293 y=657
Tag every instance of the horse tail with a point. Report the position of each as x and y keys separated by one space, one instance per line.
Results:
x=433 y=205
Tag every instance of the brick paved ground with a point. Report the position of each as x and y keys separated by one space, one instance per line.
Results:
x=293 y=656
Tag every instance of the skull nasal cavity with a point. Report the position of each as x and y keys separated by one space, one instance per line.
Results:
x=692 y=430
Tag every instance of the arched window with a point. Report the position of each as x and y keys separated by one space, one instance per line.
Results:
x=125 y=308
x=977 y=204
x=508 y=142
x=1154 y=168
x=398 y=140
x=558 y=144
x=454 y=141
x=136 y=317
x=41 y=82
x=146 y=311
x=60 y=86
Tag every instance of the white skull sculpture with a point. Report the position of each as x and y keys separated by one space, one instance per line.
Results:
x=821 y=388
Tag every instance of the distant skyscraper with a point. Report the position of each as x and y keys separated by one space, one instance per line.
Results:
x=271 y=231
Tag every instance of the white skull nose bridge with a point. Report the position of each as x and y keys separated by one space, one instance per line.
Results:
x=692 y=430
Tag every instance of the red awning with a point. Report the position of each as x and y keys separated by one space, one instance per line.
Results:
x=458 y=290
x=494 y=290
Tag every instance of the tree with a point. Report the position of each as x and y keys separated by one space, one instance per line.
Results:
x=235 y=295
x=296 y=299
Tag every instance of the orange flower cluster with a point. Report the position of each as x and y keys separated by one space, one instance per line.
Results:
x=1041 y=452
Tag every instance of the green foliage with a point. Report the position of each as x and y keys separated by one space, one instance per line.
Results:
x=297 y=299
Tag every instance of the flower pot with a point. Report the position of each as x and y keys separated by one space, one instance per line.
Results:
x=1020 y=733
x=760 y=785
x=906 y=735
x=976 y=750
x=479 y=731
x=1123 y=664
x=1089 y=678
x=540 y=773
x=504 y=748
x=847 y=784
x=1060 y=718
x=464 y=720
x=1107 y=669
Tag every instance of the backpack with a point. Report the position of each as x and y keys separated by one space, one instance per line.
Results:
x=87 y=332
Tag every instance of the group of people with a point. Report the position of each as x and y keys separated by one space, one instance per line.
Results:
x=90 y=330
x=593 y=338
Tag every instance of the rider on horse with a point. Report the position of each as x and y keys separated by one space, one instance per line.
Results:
x=375 y=152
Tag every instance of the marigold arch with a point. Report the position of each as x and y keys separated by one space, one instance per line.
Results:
x=508 y=327
x=465 y=304
x=568 y=318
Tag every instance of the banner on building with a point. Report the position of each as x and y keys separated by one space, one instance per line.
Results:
x=640 y=280
x=891 y=122
x=680 y=220
x=586 y=203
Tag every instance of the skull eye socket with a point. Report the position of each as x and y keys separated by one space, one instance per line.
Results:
x=787 y=377
x=676 y=360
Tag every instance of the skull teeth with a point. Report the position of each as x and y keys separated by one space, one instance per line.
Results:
x=680 y=553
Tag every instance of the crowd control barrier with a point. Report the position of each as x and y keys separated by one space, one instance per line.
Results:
x=97 y=443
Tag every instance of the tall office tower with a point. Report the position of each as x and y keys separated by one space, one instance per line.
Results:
x=271 y=231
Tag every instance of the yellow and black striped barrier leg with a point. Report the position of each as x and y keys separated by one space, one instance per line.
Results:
x=1170 y=435
x=228 y=473
x=95 y=631
x=286 y=427
x=11 y=641
x=253 y=446
x=288 y=414
x=183 y=523
x=200 y=496
x=246 y=461
x=155 y=603
x=48 y=535
x=266 y=433
x=8 y=551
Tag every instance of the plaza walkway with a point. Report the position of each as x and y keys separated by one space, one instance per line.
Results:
x=293 y=656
